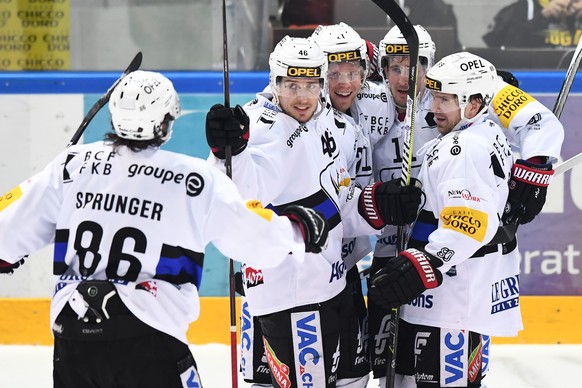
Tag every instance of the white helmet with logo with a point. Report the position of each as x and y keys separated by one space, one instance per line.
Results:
x=341 y=43
x=464 y=75
x=141 y=103
x=297 y=57
x=395 y=44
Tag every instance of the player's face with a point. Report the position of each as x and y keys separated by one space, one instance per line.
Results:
x=344 y=81
x=298 y=97
x=447 y=112
x=397 y=75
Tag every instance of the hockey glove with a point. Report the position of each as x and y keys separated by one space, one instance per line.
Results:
x=227 y=127
x=527 y=191
x=312 y=224
x=373 y=72
x=8 y=268
x=389 y=203
x=405 y=277
x=508 y=77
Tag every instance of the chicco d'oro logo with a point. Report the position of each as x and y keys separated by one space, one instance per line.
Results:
x=194 y=184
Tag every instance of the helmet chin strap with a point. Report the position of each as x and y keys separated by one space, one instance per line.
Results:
x=465 y=122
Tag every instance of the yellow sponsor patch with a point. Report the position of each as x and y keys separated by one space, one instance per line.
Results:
x=508 y=102
x=257 y=207
x=470 y=222
x=345 y=56
x=304 y=72
x=10 y=197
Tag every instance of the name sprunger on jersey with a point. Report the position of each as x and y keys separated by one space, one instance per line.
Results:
x=120 y=204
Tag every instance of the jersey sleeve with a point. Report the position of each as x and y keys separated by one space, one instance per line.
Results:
x=29 y=213
x=527 y=123
x=247 y=232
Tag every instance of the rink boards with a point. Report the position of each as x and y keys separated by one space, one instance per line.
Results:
x=42 y=110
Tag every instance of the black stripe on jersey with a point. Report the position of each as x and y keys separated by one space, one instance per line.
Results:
x=318 y=201
x=179 y=265
x=61 y=244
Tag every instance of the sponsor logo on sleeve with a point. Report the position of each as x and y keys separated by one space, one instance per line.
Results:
x=505 y=294
x=10 y=197
x=253 y=277
x=470 y=222
x=508 y=102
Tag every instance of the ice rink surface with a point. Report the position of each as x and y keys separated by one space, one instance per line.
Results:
x=511 y=366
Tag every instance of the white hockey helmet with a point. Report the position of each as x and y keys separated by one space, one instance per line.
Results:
x=395 y=44
x=297 y=57
x=464 y=75
x=140 y=103
x=341 y=43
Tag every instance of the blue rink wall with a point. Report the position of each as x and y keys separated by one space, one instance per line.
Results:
x=200 y=90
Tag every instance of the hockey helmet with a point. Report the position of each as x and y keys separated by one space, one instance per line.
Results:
x=140 y=103
x=394 y=44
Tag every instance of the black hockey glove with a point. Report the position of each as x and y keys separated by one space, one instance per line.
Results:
x=227 y=127
x=389 y=203
x=8 y=268
x=527 y=191
x=508 y=77
x=313 y=226
x=405 y=277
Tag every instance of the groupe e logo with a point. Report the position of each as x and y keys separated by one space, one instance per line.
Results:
x=194 y=184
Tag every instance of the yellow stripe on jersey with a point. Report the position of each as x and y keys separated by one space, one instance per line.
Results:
x=470 y=222
x=10 y=197
x=508 y=102
x=257 y=207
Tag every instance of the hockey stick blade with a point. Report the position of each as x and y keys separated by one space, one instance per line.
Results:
x=133 y=66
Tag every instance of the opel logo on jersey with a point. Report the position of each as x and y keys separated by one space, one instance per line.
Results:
x=293 y=71
x=194 y=184
x=345 y=56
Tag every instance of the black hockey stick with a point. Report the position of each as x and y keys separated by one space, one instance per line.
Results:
x=393 y=10
x=133 y=66
x=228 y=167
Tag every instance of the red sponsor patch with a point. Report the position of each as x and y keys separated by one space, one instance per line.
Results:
x=253 y=277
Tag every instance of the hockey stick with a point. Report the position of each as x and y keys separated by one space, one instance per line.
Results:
x=393 y=10
x=133 y=66
x=568 y=80
x=228 y=167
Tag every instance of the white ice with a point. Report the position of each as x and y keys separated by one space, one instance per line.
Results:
x=511 y=366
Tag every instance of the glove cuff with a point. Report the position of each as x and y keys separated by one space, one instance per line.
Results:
x=367 y=207
x=533 y=174
x=424 y=267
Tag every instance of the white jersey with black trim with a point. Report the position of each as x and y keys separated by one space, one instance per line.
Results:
x=465 y=178
x=387 y=160
x=141 y=220
x=287 y=162
x=530 y=126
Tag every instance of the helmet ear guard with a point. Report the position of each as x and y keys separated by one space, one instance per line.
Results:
x=141 y=104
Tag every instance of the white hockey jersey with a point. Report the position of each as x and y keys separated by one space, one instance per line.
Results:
x=285 y=163
x=143 y=221
x=465 y=177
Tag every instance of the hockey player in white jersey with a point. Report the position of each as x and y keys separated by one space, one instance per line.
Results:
x=394 y=61
x=291 y=158
x=452 y=285
x=130 y=223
